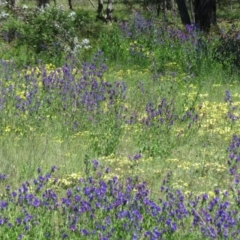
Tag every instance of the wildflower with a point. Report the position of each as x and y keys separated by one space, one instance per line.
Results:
x=3 y=204
x=72 y=15
x=84 y=232
x=2 y=221
x=3 y=177
x=85 y=41
x=20 y=236
x=69 y=193
x=47 y=235
x=36 y=202
x=19 y=221
x=95 y=164
x=53 y=168
x=73 y=228
x=64 y=235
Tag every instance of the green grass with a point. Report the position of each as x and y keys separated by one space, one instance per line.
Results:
x=25 y=150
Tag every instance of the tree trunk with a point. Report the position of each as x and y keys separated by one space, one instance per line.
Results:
x=169 y=4
x=214 y=12
x=205 y=14
x=100 y=8
x=109 y=10
x=163 y=5
x=183 y=12
x=42 y=3
x=70 y=4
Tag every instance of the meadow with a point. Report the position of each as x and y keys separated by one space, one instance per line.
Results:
x=128 y=130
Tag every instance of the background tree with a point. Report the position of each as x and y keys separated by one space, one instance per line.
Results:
x=205 y=14
x=182 y=8
x=109 y=11
x=42 y=3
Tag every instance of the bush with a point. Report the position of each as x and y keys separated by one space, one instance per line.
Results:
x=47 y=34
x=227 y=51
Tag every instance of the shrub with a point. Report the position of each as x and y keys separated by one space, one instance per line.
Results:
x=227 y=51
x=47 y=34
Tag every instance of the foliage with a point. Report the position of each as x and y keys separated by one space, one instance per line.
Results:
x=227 y=51
x=114 y=37
x=150 y=45
x=47 y=34
x=95 y=208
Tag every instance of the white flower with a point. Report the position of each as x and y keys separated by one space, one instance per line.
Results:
x=56 y=25
x=71 y=14
x=87 y=47
x=25 y=7
x=3 y=15
x=85 y=41
x=67 y=49
x=75 y=40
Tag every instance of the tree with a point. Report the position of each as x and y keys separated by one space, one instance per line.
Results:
x=70 y=4
x=205 y=14
x=42 y=3
x=182 y=8
x=109 y=11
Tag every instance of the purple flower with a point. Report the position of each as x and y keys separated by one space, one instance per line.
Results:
x=3 y=177
x=228 y=97
x=27 y=227
x=2 y=221
x=64 y=235
x=73 y=228
x=20 y=236
x=136 y=157
x=53 y=168
x=47 y=235
x=95 y=164
x=36 y=202
x=3 y=204
x=19 y=221
x=66 y=201
x=84 y=232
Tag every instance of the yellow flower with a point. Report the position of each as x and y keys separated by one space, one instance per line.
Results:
x=21 y=94
x=31 y=128
x=50 y=67
x=211 y=194
x=7 y=129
